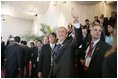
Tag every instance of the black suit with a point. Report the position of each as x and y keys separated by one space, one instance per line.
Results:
x=64 y=66
x=45 y=60
x=25 y=60
x=13 y=55
x=110 y=66
x=80 y=55
x=95 y=67
x=34 y=54
x=2 y=53
x=105 y=25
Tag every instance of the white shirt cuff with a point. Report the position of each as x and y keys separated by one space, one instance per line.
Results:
x=76 y=25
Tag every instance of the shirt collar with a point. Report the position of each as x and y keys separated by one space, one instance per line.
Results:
x=52 y=45
x=60 y=42
x=95 y=42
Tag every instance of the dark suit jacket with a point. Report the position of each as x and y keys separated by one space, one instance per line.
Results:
x=45 y=60
x=26 y=55
x=110 y=66
x=64 y=67
x=2 y=52
x=95 y=67
x=34 y=54
x=13 y=55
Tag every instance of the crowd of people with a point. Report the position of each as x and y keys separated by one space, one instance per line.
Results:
x=81 y=51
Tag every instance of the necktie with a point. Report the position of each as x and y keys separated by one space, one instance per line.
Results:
x=89 y=53
x=52 y=57
x=56 y=51
x=88 y=56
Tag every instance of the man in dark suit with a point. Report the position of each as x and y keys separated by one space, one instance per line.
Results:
x=34 y=54
x=78 y=66
x=64 y=52
x=38 y=44
x=13 y=55
x=94 y=54
x=2 y=52
x=25 y=59
x=46 y=59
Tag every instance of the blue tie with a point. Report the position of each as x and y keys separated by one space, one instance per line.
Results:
x=56 y=51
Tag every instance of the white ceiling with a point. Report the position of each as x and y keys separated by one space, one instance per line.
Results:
x=28 y=9
x=88 y=2
x=24 y=9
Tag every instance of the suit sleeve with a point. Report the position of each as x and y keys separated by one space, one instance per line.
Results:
x=105 y=69
x=50 y=75
x=78 y=37
x=5 y=53
x=19 y=57
x=40 y=64
x=35 y=54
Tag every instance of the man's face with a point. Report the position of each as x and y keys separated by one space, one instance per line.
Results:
x=95 y=22
x=31 y=45
x=86 y=22
x=52 y=38
x=38 y=44
x=45 y=40
x=84 y=32
x=62 y=34
x=96 y=17
x=96 y=32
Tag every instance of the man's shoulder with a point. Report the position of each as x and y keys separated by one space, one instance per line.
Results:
x=105 y=45
x=45 y=46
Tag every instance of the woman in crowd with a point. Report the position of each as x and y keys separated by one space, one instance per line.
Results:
x=110 y=62
x=109 y=39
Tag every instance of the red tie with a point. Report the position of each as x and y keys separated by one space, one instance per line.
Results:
x=89 y=53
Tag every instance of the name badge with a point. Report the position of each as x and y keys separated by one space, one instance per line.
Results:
x=87 y=61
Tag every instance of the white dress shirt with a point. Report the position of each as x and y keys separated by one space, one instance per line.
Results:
x=88 y=59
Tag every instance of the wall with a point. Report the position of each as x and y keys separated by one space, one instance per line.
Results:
x=60 y=15
x=55 y=16
x=15 y=26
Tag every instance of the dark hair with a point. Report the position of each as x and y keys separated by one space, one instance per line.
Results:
x=40 y=41
x=111 y=24
x=70 y=25
x=17 y=39
x=24 y=42
x=95 y=16
x=84 y=27
x=98 y=21
x=53 y=34
x=86 y=20
x=97 y=25
x=32 y=43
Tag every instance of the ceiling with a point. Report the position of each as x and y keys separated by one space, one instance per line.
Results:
x=28 y=9
x=88 y=2
x=24 y=9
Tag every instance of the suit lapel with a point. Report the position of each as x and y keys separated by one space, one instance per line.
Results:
x=61 y=51
x=54 y=46
x=97 y=48
x=64 y=44
x=49 y=47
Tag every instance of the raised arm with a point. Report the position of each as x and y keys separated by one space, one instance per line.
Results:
x=78 y=39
